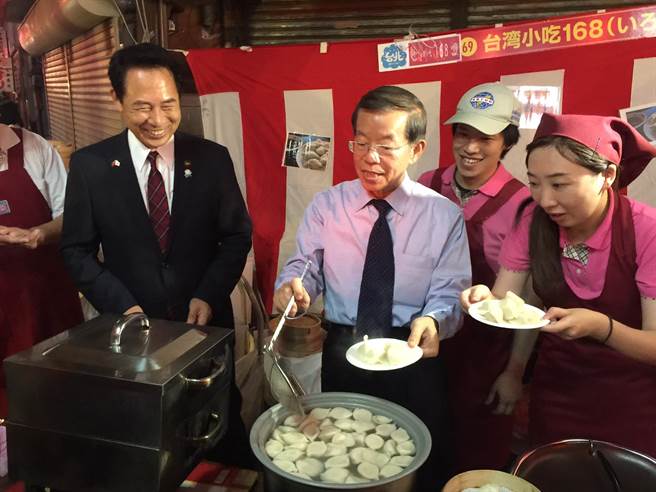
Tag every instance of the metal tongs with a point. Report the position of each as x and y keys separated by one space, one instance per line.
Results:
x=284 y=386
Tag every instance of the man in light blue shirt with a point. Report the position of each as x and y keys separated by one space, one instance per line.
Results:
x=430 y=257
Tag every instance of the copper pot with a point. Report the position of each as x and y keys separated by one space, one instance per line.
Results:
x=300 y=337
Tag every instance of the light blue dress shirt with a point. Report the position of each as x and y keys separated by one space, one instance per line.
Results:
x=431 y=253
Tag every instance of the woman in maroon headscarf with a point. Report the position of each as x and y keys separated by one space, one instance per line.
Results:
x=590 y=253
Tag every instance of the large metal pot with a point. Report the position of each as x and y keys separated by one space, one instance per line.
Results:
x=277 y=480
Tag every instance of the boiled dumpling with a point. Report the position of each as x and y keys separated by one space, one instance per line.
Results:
x=362 y=415
x=334 y=475
x=371 y=352
x=285 y=465
x=273 y=448
x=344 y=424
x=528 y=317
x=398 y=353
x=310 y=466
x=335 y=449
x=374 y=457
x=316 y=449
x=299 y=445
x=367 y=470
x=385 y=430
x=290 y=454
x=491 y=310
x=400 y=435
x=374 y=441
x=406 y=447
x=401 y=461
x=293 y=437
x=356 y=455
x=341 y=461
x=512 y=305
x=389 y=448
x=319 y=413
x=294 y=420
x=343 y=439
x=340 y=413
x=381 y=419
x=390 y=470
x=328 y=432
x=362 y=426
x=355 y=479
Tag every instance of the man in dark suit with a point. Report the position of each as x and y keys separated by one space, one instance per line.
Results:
x=180 y=265
x=170 y=255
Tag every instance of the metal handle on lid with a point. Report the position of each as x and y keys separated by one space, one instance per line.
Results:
x=122 y=323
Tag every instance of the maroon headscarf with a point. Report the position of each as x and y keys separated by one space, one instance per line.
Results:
x=610 y=137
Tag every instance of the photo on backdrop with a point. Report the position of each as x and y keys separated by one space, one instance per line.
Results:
x=306 y=151
x=643 y=119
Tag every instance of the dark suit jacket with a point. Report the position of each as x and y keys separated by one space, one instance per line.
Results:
x=210 y=231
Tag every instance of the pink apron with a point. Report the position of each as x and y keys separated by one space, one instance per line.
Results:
x=583 y=389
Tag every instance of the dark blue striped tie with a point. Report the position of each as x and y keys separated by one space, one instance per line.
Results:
x=377 y=286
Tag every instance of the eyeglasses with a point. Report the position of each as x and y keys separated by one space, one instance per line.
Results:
x=362 y=148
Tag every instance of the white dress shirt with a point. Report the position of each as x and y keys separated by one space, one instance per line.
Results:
x=42 y=163
x=165 y=164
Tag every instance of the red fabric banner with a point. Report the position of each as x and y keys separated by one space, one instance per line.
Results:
x=597 y=80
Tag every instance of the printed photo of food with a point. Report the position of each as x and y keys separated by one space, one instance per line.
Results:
x=307 y=151
x=643 y=119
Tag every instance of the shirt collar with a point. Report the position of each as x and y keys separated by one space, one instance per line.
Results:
x=8 y=137
x=397 y=199
x=600 y=239
x=496 y=182
x=490 y=188
x=139 y=152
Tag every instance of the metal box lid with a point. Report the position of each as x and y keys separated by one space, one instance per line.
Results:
x=155 y=357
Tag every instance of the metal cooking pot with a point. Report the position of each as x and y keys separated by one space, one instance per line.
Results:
x=587 y=466
x=277 y=480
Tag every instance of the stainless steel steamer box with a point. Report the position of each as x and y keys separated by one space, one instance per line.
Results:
x=86 y=415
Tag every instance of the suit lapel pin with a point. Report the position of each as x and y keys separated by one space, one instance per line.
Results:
x=187 y=170
x=116 y=163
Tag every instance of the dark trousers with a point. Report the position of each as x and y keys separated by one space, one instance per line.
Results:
x=420 y=388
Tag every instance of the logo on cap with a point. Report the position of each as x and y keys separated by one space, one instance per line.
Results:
x=482 y=100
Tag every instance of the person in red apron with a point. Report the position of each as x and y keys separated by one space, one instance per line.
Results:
x=484 y=379
x=37 y=297
x=589 y=250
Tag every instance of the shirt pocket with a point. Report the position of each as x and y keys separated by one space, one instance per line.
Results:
x=412 y=278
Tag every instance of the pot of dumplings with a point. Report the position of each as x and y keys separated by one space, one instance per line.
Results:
x=345 y=441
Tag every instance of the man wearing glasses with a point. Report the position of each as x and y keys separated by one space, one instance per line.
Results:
x=390 y=257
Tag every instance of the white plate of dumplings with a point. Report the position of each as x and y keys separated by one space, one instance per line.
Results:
x=382 y=354
x=510 y=312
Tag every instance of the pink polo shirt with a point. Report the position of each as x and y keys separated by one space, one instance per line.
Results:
x=496 y=227
x=587 y=281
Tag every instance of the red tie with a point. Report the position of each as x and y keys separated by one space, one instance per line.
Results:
x=158 y=205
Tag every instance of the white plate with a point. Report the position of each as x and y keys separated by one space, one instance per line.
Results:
x=474 y=313
x=414 y=354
